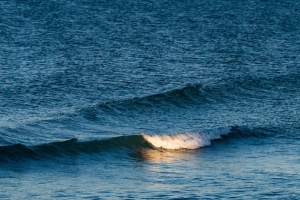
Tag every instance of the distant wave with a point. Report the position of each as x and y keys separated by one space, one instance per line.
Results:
x=73 y=147
x=193 y=94
x=188 y=95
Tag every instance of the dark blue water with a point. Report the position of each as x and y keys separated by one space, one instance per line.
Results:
x=149 y=99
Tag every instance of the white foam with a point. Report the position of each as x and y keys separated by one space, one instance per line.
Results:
x=185 y=140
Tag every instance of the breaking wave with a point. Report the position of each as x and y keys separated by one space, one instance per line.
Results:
x=73 y=147
x=184 y=140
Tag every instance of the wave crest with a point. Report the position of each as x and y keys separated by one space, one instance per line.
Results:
x=184 y=140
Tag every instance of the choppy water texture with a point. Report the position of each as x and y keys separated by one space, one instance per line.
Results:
x=149 y=99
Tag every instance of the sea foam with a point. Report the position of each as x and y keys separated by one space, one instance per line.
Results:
x=185 y=140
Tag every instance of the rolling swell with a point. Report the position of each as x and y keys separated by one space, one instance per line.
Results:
x=73 y=147
x=183 y=97
x=196 y=94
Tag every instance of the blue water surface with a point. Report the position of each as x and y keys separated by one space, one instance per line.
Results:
x=214 y=82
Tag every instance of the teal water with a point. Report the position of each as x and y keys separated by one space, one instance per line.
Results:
x=149 y=99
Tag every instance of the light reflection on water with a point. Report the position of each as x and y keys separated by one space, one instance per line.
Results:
x=166 y=156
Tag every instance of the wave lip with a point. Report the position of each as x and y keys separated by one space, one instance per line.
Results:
x=183 y=140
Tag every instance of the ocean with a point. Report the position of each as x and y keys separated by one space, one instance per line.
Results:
x=151 y=99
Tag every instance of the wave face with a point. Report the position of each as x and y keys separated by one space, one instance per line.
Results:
x=70 y=147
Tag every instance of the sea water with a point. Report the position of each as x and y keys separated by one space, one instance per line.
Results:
x=151 y=99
